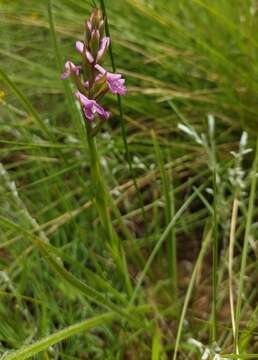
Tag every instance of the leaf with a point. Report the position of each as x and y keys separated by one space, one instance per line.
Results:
x=156 y=345
x=40 y=345
x=25 y=102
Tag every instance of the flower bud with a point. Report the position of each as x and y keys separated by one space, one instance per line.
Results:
x=88 y=30
x=95 y=18
x=94 y=43
x=104 y=44
x=101 y=28
x=87 y=68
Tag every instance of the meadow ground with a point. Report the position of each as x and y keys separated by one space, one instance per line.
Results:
x=176 y=275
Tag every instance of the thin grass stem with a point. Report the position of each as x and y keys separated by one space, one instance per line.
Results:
x=199 y=260
x=230 y=262
x=168 y=192
x=249 y=218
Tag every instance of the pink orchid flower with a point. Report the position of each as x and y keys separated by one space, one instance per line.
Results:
x=91 y=107
x=115 y=82
x=70 y=69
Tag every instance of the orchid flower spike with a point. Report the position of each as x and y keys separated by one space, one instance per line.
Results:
x=94 y=81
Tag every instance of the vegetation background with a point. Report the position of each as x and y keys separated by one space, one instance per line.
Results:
x=184 y=199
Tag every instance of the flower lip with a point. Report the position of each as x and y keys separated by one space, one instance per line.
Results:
x=70 y=69
x=115 y=82
x=91 y=107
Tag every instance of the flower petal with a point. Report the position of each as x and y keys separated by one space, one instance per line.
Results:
x=88 y=25
x=70 y=68
x=100 y=69
x=65 y=75
x=104 y=44
x=102 y=112
x=79 y=46
x=88 y=114
x=82 y=98
x=90 y=107
x=89 y=57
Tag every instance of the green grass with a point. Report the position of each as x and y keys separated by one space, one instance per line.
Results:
x=122 y=251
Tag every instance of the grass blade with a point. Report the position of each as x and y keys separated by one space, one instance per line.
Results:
x=28 y=107
x=156 y=345
x=169 y=214
x=40 y=345
x=249 y=217
x=205 y=244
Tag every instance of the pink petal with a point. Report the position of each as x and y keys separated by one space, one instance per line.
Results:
x=100 y=69
x=64 y=75
x=83 y=99
x=89 y=25
x=103 y=46
x=79 y=46
x=89 y=56
x=88 y=114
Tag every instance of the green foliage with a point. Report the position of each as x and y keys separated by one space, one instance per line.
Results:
x=139 y=225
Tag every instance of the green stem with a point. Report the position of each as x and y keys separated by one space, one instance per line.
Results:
x=245 y=247
x=199 y=260
x=101 y=200
x=214 y=262
x=215 y=244
x=121 y=115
